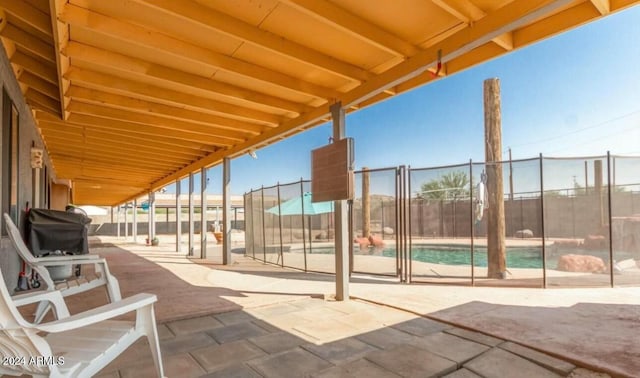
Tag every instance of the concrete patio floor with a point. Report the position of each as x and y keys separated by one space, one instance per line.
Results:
x=276 y=322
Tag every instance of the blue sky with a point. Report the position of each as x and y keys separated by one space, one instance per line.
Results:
x=577 y=94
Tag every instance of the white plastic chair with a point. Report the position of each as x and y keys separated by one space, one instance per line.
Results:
x=71 y=286
x=72 y=346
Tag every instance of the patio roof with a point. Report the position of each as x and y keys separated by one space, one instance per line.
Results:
x=130 y=95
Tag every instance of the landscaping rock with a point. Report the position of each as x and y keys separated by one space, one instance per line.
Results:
x=523 y=234
x=581 y=263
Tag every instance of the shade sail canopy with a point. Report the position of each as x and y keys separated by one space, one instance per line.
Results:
x=302 y=206
x=130 y=95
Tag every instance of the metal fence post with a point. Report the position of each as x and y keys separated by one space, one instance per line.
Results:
x=544 y=249
x=473 y=282
x=610 y=218
x=264 y=231
x=304 y=238
x=280 y=227
x=408 y=254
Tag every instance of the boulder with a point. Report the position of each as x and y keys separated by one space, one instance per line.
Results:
x=322 y=235
x=581 y=263
x=523 y=234
x=363 y=242
x=387 y=231
x=376 y=241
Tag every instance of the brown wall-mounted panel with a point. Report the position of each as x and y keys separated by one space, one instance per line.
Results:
x=332 y=171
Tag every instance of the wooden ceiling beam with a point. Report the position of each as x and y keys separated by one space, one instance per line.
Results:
x=467 y=12
x=73 y=162
x=165 y=44
x=28 y=14
x=165 y=77
x=131 y=128
x=212 y=132
x=356 y=26
x=128 y=184
x=88 y=156
x=98 y=97
x=603 y=6
x=28 y=42
x=42 y=69
x=165 y=144
x=60 y=39
x=52 y=130
x=115 y=145
x=40 y=85
x=96 y=149
x=114 y=84
x=233 y=27
x=42 y=101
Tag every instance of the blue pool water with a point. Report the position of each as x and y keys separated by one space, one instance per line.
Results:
x=517 y=257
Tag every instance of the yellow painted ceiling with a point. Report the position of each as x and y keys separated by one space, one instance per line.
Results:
x=130 y=95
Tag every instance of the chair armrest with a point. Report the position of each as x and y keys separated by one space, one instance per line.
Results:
x=54 y=297
x=68 y=257
x=99 y=314
x=54 y=262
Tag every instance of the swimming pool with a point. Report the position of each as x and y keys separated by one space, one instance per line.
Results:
x=517 y=257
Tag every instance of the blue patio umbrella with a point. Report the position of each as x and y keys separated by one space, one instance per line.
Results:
x=302 y=205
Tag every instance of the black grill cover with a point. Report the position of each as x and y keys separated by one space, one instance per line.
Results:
x=51 y=230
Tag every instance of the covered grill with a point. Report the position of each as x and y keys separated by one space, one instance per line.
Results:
x=53 y=230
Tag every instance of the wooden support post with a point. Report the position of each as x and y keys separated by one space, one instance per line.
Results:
x=191 y=214
x=203 y=213
x=118 y=223
x=496 y=251
x=366 y=204
x=226 y=212
x=152 y=216
x=178 y=218
x=134 y=225
x=341 y=217
x=126 y=223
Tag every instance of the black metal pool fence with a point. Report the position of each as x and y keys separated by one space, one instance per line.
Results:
x=569 y=222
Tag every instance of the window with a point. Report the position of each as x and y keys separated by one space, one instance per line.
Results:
x=10 y=157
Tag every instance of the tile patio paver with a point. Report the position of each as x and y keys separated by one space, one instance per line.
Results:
x=551 y=363
x=185 y=343
x=235 y=371
x=410 y=361
x=385 y=338
x=497 y=362
x=475 y=336
x=236 y=332
x=462 y=373
x=421 y=326
x=273 y=310
x=202 y=323
x=293 y=363
x=220 y=357
x=233 y=317
x=179 y=365
x=327 y=331
x=277 y=342
x=356 y=369
x=341 y=351
x=450 y=347
x=164 y=332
